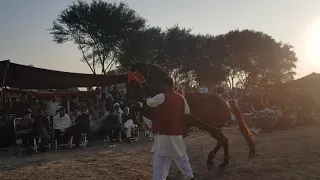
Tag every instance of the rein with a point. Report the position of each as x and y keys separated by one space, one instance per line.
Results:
x=209 y=125
x=206 y=124
x=203 y=124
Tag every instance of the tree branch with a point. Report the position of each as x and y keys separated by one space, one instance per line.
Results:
x=92 y=68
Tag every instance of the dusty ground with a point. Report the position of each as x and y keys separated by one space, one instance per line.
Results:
x=291 y=154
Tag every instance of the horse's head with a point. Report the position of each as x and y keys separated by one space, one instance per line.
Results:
x=153 y=76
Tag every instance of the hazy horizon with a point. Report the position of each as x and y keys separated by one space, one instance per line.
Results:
x=25 y=39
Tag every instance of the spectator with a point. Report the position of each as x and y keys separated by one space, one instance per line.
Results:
x=61 y=125
x=4 y=140
x=25 y=130
x=117 y=108
x=127 y=123
x=82 y=104
x=83 y=122
x=104 y=114
x=108 y=101
x=73 y=115
x=82 y=126
x=29 y=99
x=52 y=107
x=14 y=106
x=22 y=106
x=95 y=120
x=112 y=127
x=42 y=105
x=73 y=103
x=33 y=106
x=103 y=120
x=42 y=127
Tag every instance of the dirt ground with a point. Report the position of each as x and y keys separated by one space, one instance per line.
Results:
x=288 y=154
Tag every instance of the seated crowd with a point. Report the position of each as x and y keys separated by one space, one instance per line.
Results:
x=266 y=111
x=107 y=117
x=103 y=118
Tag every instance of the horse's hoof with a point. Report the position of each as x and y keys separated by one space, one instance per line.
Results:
x=210 y=166
x=223 y=165
x=210 y=162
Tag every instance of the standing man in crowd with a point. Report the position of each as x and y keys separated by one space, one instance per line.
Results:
x=52 y=108
x=170 y=109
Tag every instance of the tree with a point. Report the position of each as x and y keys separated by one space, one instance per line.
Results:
x=256 y=58
x=210 y=62
x=146 y=46
x=98 y=29
x=170 y=49
x=282 y=67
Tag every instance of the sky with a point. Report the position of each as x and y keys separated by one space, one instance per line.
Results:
x=25 y=39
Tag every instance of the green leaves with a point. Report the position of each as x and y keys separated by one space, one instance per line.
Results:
x=111 y=35
x=98 y=29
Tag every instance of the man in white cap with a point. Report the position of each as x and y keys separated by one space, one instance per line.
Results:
x=118 y=112
x=117 y=108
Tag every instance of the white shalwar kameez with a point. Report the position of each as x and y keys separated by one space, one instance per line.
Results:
x=168 y=148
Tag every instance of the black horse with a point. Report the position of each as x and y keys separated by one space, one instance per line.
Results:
x=208 y=111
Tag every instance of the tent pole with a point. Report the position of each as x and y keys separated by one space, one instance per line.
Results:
x=127 y=83
x=4 y=82
x=68 y=104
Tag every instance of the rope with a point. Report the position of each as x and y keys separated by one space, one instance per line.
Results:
x=212 y=126
x=206 y=124
x=201 y=146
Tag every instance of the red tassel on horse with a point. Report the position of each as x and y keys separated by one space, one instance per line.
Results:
x=136 y=76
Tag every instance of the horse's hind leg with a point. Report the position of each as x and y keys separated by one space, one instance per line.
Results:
x=222 y=141
x=225 y=144
x=212 y=154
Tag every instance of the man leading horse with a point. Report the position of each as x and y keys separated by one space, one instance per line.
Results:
x=169 y=109
x=209 y=111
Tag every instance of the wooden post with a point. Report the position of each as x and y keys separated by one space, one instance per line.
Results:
x=4 y=82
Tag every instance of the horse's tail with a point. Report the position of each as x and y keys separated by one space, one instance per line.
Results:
x=244 y=129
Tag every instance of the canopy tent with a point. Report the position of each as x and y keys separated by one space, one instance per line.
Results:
x=310 y=81
x=49 y=95
x=27 y=77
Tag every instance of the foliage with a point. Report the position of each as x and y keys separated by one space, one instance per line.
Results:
x=256 y=58
x=113 y=35
x=98 y=29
